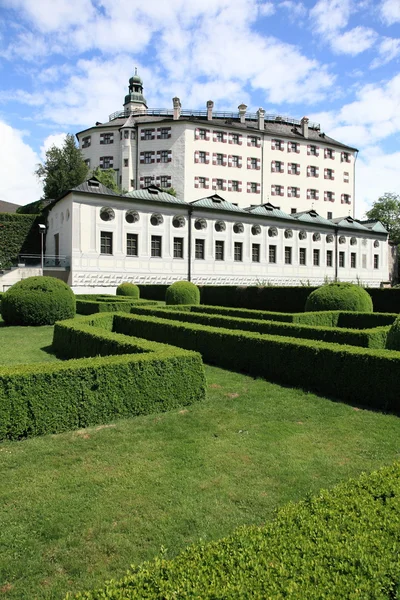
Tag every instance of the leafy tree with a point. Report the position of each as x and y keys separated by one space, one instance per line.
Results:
x=170 y=190
x=387 y=210
x=63 y=169
x=108 y=178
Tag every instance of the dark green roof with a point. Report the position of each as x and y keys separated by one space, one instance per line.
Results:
x=268 y=210
x=216 y=202
x=154 y=193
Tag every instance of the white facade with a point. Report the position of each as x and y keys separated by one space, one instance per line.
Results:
x=151 y=237
x=248 y=158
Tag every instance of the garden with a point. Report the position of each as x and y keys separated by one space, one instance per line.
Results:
x=215 y=451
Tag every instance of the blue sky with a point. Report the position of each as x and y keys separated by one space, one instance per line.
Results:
x=65 y=64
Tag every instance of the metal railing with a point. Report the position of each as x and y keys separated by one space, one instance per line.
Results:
x=168 y=112
x=50 y=261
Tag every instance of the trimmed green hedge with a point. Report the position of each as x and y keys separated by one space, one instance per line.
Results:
x=146 y=377
x=101 y=305
x=182 y=292
x=368 y=338
x=38 y=301
x=362 y=375
x=19 y=234
x=152 y=291
x=339 y=296
x=341 y=544
x=393 y=338
x=128 y=289
x=385 y=299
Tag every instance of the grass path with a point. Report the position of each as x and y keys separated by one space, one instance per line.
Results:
x=80 y=507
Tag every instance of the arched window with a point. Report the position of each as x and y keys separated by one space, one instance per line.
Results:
x=200 y=224
x=156 y=219
x=132 y=216
x=178 y=221
x=107 y=213
x=238 y=228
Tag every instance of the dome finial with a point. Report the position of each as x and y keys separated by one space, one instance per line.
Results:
x=135 y=70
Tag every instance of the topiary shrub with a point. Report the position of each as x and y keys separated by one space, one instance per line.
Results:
x=393 y=336
x=38 y=301
x=339 y=296
x=128 y=289
x=182 y=292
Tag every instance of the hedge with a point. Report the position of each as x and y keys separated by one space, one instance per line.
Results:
x=100 y=305
x=152 y=292
x=385 y=299
x=182 y=292
x=140 y=378
x=340 y=544
x=128 y=289
x=362 y=375
x=340 y=295
x=368 y=338
x=19 y=234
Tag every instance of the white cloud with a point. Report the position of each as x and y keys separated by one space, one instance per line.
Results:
x=18 y=184
x=390 y=11
x=388 y=50
x=296 y=10
x=55 y=139
x=266 y=9
x=53 y=15
x=329 y=16
x=376 y=173
x=354 y=41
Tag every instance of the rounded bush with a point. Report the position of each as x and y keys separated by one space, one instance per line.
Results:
x=128 y=289
x=38 y=301
x=182 y=292
x=339 y=296
x=393 y=337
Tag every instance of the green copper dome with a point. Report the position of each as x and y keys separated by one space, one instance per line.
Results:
x=135 y=91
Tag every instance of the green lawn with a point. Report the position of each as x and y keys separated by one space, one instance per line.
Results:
x=80 y=507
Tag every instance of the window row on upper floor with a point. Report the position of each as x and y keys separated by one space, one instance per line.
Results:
x=159 y=133
x=220 y=254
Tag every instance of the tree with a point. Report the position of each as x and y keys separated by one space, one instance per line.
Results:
x=170 y=190
x=387 y=210
x=63 y=169
x=108 y=178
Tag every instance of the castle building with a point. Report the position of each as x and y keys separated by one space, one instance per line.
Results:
x=148 y=236
x=249 y=159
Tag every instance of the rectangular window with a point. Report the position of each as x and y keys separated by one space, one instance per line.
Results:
x=312 y=171
x=126 y=134
x=345 y=199
x=238 y=251
x=364 y=261
x=133 y=135
x=126 y=162
x=345 y=157
x=253 y=141
x=132 y=183
x=312 y=150
x=353 y=260
x=312 y=194
x=329 y=153
x=106 y=162
x=293 y=211
x=255 y=252
x=164 y=156
x=253 y=187
x=316 y=257
x=346 y=177
x=329 y=174
x=235 y=161
x=106 y=138
x=220 y=159
x=219 y=250
x=329 y=215
x=202 y=182
x=302 y=256
x=278 y=166
x=164 y=133
x=272 y=254
x=178 y=247
x=376 y=261
x=132 y=244
x=219 y=183
x=202 y=134
x=87 y=162
x=235 y=186
x=156 y=246
x=288 y=255
x=329 y=258
x=202 y=157
x=147 y=181
x=147 y=134
x=147 y=157
x=86 y=141
x=235 y=138
x=329 y=196
x=341 y=259
x=293 y=168
x=165 y=181
x=277 y=144
x=253 y=163
x=218 y=136
x=106 y=242
x=199 y=248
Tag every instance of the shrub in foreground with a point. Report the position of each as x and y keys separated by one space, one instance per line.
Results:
x=393 y=337
x=339 y=296
x=182 y=292
x=38 y=301
x=343 y=543
x=128 y=289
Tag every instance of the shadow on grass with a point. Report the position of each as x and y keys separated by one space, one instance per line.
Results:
x=50 y=350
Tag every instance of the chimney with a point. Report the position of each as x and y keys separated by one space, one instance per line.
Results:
x=210 y=106
x=304 y=127
x=177 y=108
x=242 y=112
x=261 y=115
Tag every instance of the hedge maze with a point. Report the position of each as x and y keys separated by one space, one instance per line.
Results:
x=113 y=376
x=351 y=365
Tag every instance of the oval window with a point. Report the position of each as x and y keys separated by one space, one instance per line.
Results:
x=132 y=216
x=107 y=214
x=156 y=219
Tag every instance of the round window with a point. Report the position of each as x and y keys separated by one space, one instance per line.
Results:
x=156 y=219
x=132 y=216
x=107 y=214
